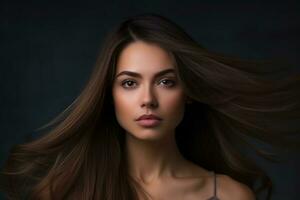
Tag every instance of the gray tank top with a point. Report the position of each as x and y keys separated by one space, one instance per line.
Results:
x=214 y=197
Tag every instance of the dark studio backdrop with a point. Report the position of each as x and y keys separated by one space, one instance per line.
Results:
x=48 y=50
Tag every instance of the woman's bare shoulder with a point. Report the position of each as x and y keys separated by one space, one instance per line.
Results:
x=227 y=187
x=230 y=189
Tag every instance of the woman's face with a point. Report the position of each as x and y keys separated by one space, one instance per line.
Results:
x=147 y=90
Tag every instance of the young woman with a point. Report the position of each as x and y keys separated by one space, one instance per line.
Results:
x=160 y=118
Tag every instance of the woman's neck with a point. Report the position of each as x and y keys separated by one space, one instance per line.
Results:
x=152 y=160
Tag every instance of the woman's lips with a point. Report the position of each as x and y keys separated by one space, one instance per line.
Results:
x=149 y=122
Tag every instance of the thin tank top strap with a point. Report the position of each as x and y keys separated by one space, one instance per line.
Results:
x=214 y=197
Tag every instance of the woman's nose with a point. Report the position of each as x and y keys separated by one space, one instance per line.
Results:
x=148 y=98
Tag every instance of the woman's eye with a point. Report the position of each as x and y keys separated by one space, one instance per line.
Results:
x=130 y=83
x=127 y=81
x=172 y=83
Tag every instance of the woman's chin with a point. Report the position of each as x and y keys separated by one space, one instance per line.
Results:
x=148 y=135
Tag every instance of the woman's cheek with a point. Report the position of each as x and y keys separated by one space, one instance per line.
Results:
x=174 y=107
x=123 y=103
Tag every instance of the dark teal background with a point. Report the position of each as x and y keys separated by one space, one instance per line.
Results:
x=48 y=49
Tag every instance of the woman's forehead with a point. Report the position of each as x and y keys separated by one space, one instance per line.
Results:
x=144 y=57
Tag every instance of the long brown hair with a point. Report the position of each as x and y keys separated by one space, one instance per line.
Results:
x=81 y=156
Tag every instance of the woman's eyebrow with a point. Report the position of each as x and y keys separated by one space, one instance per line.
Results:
x=134 y=74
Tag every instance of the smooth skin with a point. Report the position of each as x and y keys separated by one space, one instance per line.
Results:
x=153 y=156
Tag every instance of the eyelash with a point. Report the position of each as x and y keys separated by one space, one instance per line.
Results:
x=129 y=80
